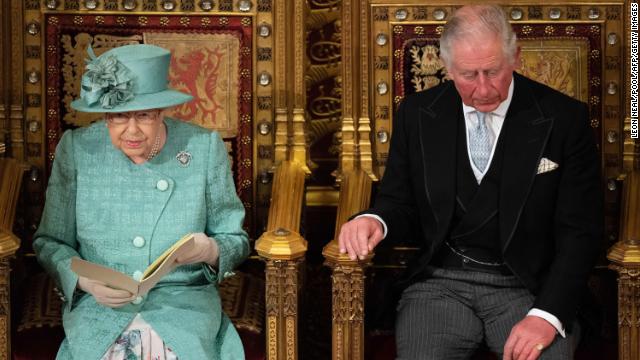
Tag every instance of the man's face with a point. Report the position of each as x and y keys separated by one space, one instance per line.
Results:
x=481 y=72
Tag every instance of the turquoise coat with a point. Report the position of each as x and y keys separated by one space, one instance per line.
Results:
x=98 y=202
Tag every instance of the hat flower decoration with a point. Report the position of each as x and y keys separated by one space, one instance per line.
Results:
x=106 y=81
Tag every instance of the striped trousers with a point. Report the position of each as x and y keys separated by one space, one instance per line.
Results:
x=450 y=314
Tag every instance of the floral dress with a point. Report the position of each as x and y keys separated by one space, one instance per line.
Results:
x=139 y=342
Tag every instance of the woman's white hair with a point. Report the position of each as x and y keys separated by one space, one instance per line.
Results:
x=474 y=20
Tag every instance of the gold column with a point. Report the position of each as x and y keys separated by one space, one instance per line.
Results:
x=16 y=111
x=3 y=78
x=630 y=147
x=350 y=26
x=356 y=147
x=348 y=275
x=283 y=249
x=625 y=259
x=11 y=72
x=281 y=78
x=290 y=95
x=298 y=52
x=365 y=153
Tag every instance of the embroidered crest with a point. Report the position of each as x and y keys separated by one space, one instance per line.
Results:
x=184 y=158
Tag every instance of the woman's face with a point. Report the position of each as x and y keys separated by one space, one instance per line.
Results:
x=135 y=132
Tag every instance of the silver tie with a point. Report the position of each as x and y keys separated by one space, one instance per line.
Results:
x=480 y=143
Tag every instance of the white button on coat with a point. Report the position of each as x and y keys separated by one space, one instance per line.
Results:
x=137 y=275
x=138 y=241
x=162 y=185
x=137 y=300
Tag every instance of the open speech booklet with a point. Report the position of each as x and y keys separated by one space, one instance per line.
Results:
x=164 y=264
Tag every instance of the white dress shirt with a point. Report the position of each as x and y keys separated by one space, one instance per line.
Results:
x=494 y=121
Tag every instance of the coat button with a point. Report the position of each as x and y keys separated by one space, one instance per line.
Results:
x=162 y=185
x=138 y=241
x=137 y=300
x=137 y=275
x=228 y=274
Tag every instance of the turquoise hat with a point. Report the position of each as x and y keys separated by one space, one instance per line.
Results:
x=127 y=78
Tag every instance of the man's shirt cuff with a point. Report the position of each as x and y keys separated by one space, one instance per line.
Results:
x=551 y=319
x=384 y=226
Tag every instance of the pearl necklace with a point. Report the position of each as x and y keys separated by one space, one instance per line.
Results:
x=156 y=146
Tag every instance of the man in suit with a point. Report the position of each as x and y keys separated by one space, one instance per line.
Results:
x=497 y=178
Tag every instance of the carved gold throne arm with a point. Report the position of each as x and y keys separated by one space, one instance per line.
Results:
x=625 y=259
x=9 y=243
x=348 y=275
x=11 y=172
x=283 y=250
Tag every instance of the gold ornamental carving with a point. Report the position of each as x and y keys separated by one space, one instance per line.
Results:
x=12 y=112
x=628 y=312
x=282 y=287
x=348 y=293
x=5 y=309
x=347 y=303
x=4 y=287
x=625 y=260
x=348 y=312
x=348 y=275
x=325 y=107
x=323 y=79
x=350 y=65
x=283 y=250
x=5 y=347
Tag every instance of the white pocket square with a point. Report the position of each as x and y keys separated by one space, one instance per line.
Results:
x=546 y=165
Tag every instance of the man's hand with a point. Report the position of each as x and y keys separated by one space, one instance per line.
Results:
x=113 y=298
x=205 y=250
x=528 y=339
x=359 y=236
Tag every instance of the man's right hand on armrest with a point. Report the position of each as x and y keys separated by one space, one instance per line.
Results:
x=360 y=236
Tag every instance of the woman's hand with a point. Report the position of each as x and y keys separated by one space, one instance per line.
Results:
x=103 y=294
x=205 y=250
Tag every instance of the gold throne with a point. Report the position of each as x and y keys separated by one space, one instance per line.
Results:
x=579 y=49
x=235 y=58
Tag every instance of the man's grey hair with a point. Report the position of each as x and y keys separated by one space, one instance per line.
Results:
x=474 y=20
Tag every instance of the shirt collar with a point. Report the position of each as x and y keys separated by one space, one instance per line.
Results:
x=501 y=110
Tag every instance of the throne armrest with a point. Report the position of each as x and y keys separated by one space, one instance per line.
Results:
x=283 y=249
x=287 y=196
x=625 y=259
x=9 y=244
x=348 y=275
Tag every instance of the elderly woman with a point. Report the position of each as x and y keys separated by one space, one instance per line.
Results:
x=121 y=192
